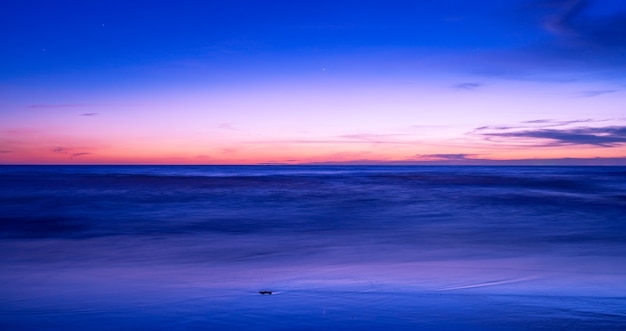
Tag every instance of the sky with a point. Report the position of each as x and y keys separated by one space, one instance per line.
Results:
x=313 y=82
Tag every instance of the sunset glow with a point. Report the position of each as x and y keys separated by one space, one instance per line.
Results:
x=264 y=82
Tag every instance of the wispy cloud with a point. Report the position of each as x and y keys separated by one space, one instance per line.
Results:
x=618 y=161
x=350 y=139
x=467 y=86
x=560 y=22
x=4 y=151
x=373 y=137
x=590 y=94
x=550 y=132
x=330 y=141
x=427 y=126
x=572 y=37
x=575 y=27
x=66 y=105
x=539 y=121
x=90 y=114
x=441 y=157
x=534 y=124
x=68 y=151
x=60 y=150
x=604 y=136
x=85 y=105
x=575 y=21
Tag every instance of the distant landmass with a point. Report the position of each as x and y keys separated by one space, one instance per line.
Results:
x=617 y=161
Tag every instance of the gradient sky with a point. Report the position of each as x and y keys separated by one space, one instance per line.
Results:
x=246 y=82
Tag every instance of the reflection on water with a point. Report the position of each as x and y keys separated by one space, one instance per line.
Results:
x=484 y=248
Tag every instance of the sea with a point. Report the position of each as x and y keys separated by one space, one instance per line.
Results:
x=312 y=248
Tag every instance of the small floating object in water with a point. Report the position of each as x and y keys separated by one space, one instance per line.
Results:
x=265 y=292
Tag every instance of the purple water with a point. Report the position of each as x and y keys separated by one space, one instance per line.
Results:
x=350 y=248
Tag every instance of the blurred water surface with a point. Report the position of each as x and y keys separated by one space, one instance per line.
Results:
x=341 y=247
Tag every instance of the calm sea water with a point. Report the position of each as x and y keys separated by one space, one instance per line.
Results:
x=349 y=248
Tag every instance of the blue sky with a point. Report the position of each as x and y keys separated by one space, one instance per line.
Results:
x=243 y=82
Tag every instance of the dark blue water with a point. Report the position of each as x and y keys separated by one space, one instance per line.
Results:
x=350 y=248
